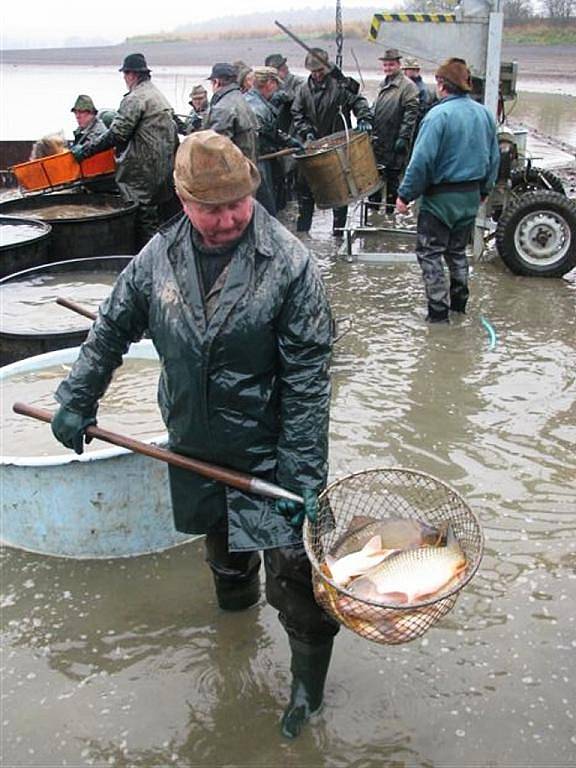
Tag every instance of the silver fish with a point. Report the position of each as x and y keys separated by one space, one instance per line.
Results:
x=411 y=575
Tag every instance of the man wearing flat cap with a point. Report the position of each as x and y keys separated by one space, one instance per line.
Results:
x=236 y=308
x=143 y=132
x=270 y=138
x=395 y=114
x=228 y=113
x=453 y=167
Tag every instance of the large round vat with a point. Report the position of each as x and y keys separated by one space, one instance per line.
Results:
x=83 y=224
x=23 y=243
x=106 y=503
x=31 y=322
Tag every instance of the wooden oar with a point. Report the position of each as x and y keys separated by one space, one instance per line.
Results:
x=240 y=480
x=78 y=308
x=280 y=153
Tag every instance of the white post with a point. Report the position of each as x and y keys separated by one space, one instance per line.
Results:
x=491 y=94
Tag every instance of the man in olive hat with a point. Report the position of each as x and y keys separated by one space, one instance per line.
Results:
x=322 y=106
x=395 y=114
x=237 y=310
x=89 y=124
x=228 y=113
x=145 y=133
x=453 y=167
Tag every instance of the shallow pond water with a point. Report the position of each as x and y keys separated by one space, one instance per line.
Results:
x=29 y=306
x=130 y=662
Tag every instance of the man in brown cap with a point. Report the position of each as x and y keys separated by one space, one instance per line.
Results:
x=395 y=114
x=144 y=133
x=237 y=311
x=453 y=168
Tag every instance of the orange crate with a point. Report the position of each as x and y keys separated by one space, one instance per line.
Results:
x=62 y=169
x=31 y=175
x=103 y=162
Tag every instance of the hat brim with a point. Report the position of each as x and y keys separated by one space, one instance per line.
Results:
x=214 y=195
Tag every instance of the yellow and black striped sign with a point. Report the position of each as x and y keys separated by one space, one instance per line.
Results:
x=429 y=18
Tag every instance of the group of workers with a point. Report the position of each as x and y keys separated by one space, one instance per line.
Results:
x=235 y=305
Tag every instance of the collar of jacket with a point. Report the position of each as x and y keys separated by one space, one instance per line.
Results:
x=179 y=228
x=392 y=81
x=223 y=91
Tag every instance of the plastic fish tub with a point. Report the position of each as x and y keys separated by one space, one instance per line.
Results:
x=104 y=504
x=25 y=340
x=23 y=243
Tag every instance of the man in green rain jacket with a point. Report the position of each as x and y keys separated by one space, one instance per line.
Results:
x=237 y=311
x=144 y=135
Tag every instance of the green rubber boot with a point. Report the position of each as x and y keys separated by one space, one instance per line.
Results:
x=309 y=668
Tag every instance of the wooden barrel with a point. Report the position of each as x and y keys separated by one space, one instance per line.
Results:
x=340 y=169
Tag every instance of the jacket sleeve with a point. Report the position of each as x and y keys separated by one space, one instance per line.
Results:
x=222 y=120
x=122 y=319
x=410 y=100
x=419 y=173
x=361 y=109
x=304 y=348
x=302 y=123
x=129 y=115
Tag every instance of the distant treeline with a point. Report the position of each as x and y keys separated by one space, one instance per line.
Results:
x=528 y=31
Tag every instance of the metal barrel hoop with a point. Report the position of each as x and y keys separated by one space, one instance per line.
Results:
x=382 y=493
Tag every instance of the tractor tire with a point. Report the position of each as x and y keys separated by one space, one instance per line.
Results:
x=534 y=179
x=536 y=235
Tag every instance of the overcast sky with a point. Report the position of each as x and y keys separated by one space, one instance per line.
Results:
x=56 y=22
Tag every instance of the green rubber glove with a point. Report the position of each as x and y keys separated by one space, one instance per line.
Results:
x=400 y=147
x=68 y=427
x=297 y=512
x=78 y=152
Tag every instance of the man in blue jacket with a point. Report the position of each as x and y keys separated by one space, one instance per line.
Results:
x=453 y=168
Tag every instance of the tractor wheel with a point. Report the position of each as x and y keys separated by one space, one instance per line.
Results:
x=533 y=179
x=536 y=234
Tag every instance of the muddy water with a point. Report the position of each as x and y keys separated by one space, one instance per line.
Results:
x=130 y=663
x=57 y=212
x=29 y=306
x=129 y=407
x=10 y=234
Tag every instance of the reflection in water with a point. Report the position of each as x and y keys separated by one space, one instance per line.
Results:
x=130 y=662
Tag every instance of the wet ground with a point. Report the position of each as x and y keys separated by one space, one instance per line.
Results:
x=131 y=663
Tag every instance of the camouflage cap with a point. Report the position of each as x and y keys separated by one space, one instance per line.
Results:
x=263 y=74
x=411 y=64
x=210 y=169
x=198 y=90
x=84 y=103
